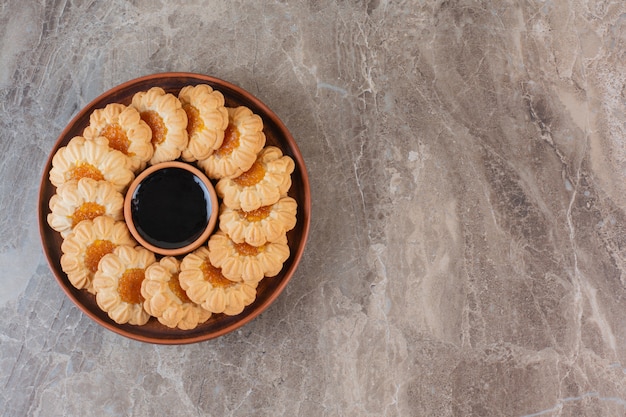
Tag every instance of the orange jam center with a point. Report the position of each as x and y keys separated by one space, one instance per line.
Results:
x=96 y=251
x=255 y=215
x=214 y=275
x=129 y=286
x=251 y=176
x=117 y=137
x=155 y=121
x=194 y=121
x=87 y=211
x=85 y=170
x=246 y=249
x=175 y=287
x=231 y=141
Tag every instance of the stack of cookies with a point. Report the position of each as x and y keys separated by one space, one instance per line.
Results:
x=93 y=171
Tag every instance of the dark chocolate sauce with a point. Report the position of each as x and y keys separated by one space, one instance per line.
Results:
x=171 y=208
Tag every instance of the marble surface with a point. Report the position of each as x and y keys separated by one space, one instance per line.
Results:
x=467 y=254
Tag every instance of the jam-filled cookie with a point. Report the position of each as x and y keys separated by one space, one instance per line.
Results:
x=164 y=113
x=247 y=263
x=256 y=227
x=125 y=130
x=118 y=284
x=207 y=119
x=166 y=300
x=243 y=140
x=263 y=184
x=206 y=285
x=94 y=159
x=84 y=199
x=85 y=246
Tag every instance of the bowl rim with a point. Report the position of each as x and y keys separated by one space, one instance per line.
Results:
x=295 y=256
x=208 y=229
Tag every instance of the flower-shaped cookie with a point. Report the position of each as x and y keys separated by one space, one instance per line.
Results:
x=84 y=199
x=243 y=140
x=205 y=285
x=166 y=300
x=94 y=159
x=87 y=244
x=247 y=263
x=207 y=119
x=263 y=184
x=125 y=130
x=164 y=114
x=265 y=224
x=118 y=284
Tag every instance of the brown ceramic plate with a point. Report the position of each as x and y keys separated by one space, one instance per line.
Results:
x=269 y=288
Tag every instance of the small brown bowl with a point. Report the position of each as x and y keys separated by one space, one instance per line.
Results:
x=168 y=209
x=268 y=289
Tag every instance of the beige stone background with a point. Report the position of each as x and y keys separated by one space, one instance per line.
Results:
x=467 y=254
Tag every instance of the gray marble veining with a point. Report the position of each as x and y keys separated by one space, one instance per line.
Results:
x=467 y=250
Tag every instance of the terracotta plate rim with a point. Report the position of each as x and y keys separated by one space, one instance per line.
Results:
x=304 y=209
